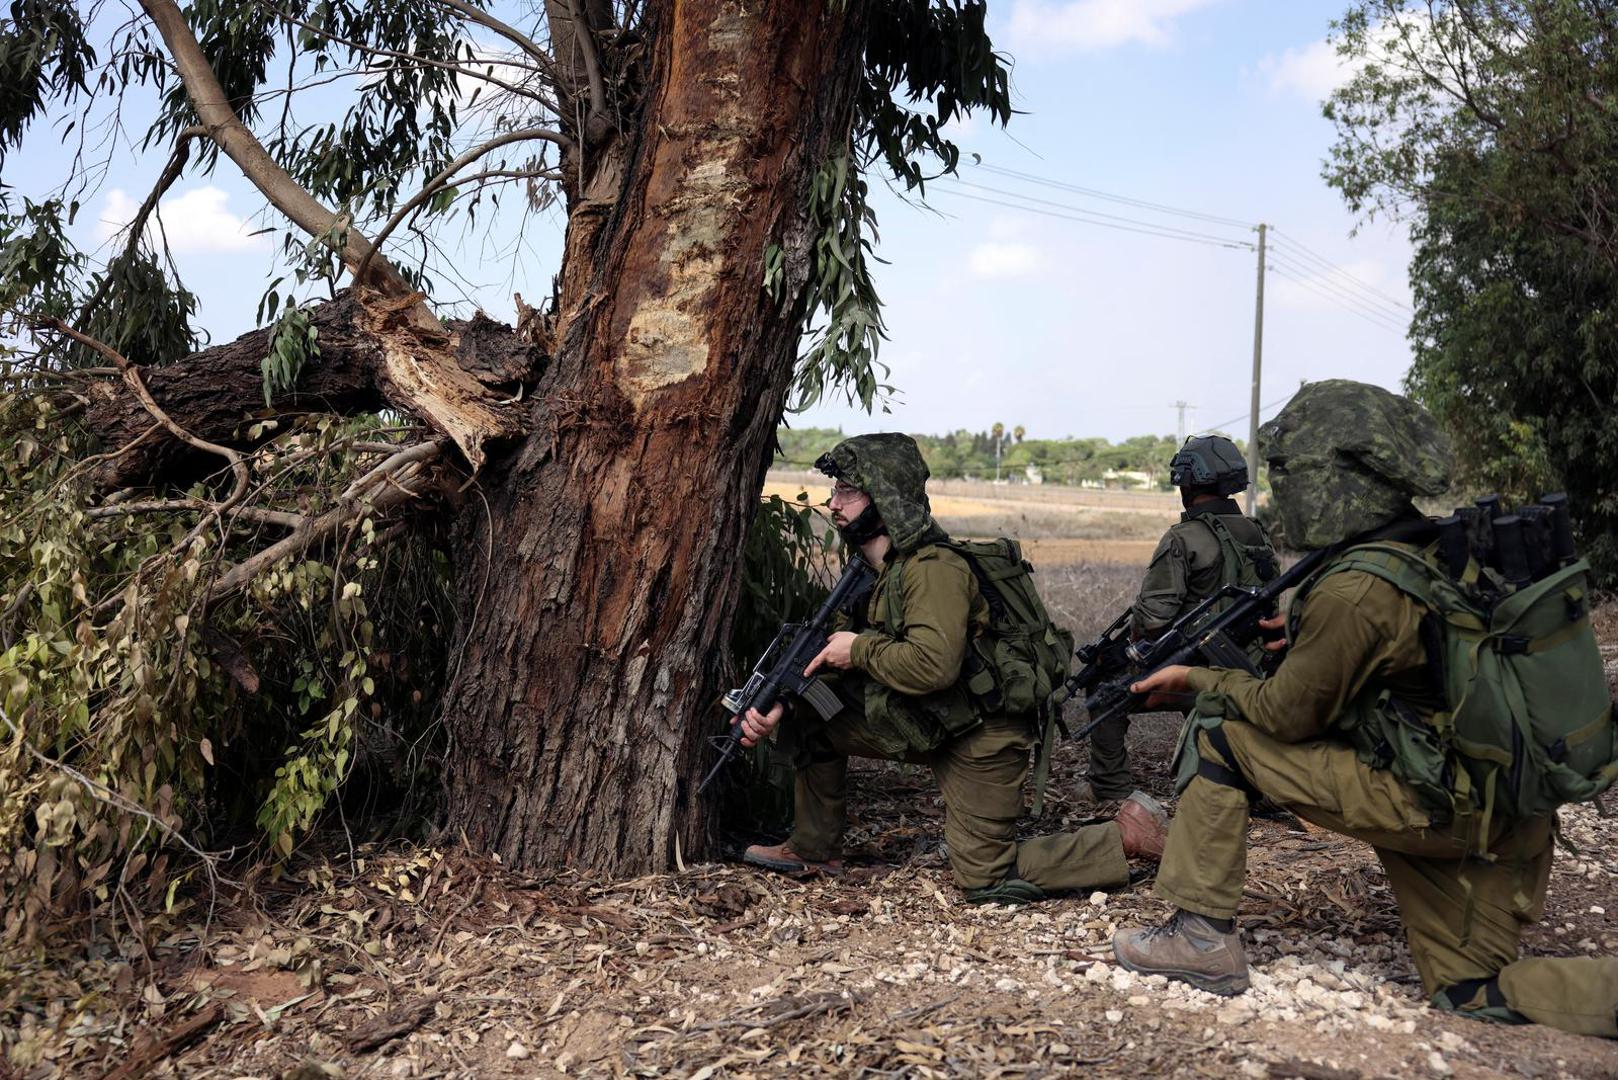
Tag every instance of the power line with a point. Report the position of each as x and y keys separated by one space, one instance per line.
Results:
x=1096 y=213
x=1333 y=268
x=1126 y=200
x=1285 y=262
x=1225 y=424
x=1305 y=283
x=1090 y=221
x=1323 y=289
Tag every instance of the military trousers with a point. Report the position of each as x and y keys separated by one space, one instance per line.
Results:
x=1109 y=773
x=1463 y=915
x=980 y=774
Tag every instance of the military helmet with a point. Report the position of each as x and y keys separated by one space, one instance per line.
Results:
x=1346 y=457
x=1209 y=461
x=888 y=467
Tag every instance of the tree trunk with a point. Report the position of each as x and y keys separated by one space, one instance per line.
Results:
x=603 y=558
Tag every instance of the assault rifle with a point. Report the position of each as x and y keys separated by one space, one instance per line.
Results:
x=780 y=670
x=1198 y=638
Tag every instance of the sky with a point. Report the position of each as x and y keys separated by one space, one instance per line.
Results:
x=999 y=314
x=1017 y=313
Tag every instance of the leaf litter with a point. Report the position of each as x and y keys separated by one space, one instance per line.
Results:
x=426 y=961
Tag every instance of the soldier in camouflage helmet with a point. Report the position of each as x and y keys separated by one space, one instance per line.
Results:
x=898 y=671
x=1212 y=545
x=1346 y=460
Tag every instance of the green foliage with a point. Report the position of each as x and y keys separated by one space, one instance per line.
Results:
x=38 y=263
x=843 y=353
x=143 y=313
x=294 y=341
x=1490 y=126
x=930 y=53
x=927 y=62
x=44 y=60
x=139 y=311
x=785 y=566
x=971 y=454
x=232 y=724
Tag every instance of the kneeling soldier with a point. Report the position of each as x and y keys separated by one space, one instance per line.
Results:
x=899 y=674
x=1212 y=545
x=1343 y=735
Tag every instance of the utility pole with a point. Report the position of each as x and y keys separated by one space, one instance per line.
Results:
x=1258 y=361
x=1182 y=406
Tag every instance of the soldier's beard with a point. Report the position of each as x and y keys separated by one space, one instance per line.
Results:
x=865 y=527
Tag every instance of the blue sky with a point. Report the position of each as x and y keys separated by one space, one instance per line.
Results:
x=1068 y=328
x=997 y=313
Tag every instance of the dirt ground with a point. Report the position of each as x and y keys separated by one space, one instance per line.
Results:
x=425 y=961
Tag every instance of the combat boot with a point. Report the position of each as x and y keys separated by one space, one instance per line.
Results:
x=1012 y=891
x=782 y=858
x=1144 y=825
x=1188 y=947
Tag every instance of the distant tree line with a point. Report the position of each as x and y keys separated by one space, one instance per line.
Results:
x=971 y=455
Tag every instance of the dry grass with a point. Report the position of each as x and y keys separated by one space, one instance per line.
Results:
x=1114 y=526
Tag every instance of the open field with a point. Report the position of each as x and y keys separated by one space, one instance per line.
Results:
x=1058 y=525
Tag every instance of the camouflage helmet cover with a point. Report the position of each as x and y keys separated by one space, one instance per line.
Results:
x=889 y=468
x=1209 y=461
x=1346 y=457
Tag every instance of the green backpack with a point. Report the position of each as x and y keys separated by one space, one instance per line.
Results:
x=1024 y=657
x=1528 y=723
x=1013 y=668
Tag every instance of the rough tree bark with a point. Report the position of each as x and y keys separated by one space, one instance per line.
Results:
x=600 y=555
x=594 y=630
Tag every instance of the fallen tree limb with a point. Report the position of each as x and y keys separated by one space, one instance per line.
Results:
x=213 y=392
x=376 y=491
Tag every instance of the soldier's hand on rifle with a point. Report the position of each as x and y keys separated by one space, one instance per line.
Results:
x=838 y=653
x=1165 y=686
x=757 y=725
x=1276 y=622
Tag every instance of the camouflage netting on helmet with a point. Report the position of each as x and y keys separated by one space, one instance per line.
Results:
x=888 y=467
x=1346 y=456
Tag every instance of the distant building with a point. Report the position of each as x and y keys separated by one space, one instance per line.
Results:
x=1034 y=475
x=1128 y=479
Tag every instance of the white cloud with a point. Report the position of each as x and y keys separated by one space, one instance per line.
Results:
x=1313 y=71
x=194 y=222
x=1097 y=24
x=998 y=260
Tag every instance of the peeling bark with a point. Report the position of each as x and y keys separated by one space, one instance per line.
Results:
x=593 y=636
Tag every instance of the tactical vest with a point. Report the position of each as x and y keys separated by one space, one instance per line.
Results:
x=1010 y=669
x=1526 y=722
x=1242 y=564
x=902 y=721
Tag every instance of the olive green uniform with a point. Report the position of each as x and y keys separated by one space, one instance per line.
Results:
x=1187 y=568
x=1356 y=635
x=904 y=702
